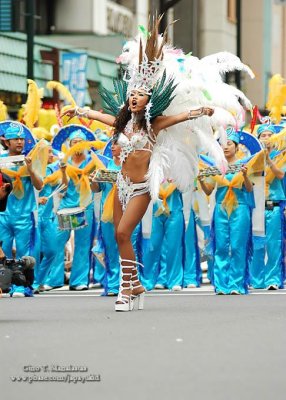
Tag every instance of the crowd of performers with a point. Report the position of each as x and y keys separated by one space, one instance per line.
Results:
x=185 y=226
x=178 y=180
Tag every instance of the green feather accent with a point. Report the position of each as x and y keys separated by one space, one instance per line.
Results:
x=162 y=96
x=109 y=100
x=144 y=31
x=114 y=104
x=207 y=95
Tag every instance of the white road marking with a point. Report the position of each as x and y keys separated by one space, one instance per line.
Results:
x=195 y=292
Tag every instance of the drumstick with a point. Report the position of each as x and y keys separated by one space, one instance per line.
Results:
x=57 y=190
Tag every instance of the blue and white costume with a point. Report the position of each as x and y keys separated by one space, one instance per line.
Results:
x=17 y=222
x=232 y=238
x=270 y=272
x=46 y=230
x=83 y=237
x=163 y=260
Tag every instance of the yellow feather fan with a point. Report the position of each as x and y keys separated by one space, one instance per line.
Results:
x=63 y=91
x=276 y=98
x=33 y=104
x=81 y=146
x=278 y=140
x=42 y=133
x=3 y=111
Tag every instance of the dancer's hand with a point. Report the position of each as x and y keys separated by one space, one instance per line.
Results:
x=28 y=162
x=91 y=176
x=71 y=112
x=208 y=111
x=42 y=200
x=244 y=170
x=4 y=190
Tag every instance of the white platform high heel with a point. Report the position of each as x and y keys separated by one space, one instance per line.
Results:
x=140 y=297
x=124 y=302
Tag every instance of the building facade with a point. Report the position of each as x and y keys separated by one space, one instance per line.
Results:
x=254 y=30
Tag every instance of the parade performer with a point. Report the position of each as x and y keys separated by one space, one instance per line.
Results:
x=149 y=156
x=106 y=245
x=198 y=236
x=270 y=274
x=138 y=122
x=163 y=258
x=74 y=172
x=17 y=221
x=231 y=222
x=46 y=229
x=192 y=264
x=5 y=190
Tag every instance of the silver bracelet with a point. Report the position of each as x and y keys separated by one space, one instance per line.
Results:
x=81 y=113
x=190 y=116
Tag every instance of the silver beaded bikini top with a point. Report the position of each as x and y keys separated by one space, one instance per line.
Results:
x=137 y=141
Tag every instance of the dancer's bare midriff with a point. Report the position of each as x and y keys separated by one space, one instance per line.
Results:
x=136 y=166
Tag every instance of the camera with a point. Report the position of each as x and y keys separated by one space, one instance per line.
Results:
x=18 y=272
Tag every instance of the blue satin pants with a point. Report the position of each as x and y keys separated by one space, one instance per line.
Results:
x=231 y=249
x=82 y=254
x=22 y=229
x=163 y=262
x=46 y=249
x=192 y=266
x=271 y=272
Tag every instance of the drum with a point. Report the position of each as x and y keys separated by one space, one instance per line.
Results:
x=105 y=175
x=71 y=218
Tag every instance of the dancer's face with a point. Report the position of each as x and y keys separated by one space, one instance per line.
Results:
x=115 y=148
x=15 y=146
x=50 y=155
x=74 y=142
x=264 y=137
x=229 y=149
x=138 y=100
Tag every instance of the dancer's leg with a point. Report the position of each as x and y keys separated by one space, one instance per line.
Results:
x=124 y=227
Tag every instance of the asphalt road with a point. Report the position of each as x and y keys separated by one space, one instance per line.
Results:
x=187 y=345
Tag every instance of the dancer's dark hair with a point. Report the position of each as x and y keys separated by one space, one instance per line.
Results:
x=121 y=121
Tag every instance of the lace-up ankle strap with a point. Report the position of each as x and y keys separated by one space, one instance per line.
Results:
x=130 y=261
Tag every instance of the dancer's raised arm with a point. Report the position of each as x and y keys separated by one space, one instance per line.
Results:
x=90 y=114
x=163 y=122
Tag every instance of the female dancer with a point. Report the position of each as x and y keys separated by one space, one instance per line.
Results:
x=136 y=126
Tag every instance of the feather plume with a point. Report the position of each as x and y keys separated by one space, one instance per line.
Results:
x=3 y=111
x=64 y=92
x=42 y=133
x=276 y=97
x=278 y=140
x=226 y=62
x=82 y=146
x=33 y=104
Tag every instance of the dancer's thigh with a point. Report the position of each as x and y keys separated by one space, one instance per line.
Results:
x=133 y=214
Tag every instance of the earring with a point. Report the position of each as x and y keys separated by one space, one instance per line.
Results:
x=128 y=108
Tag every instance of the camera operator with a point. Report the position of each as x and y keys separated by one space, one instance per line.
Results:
x=16 y=272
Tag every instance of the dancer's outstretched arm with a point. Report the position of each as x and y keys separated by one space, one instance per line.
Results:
x=90 y=114
x=164 y=122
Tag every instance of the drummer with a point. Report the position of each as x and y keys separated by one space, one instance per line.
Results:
x=79 y=278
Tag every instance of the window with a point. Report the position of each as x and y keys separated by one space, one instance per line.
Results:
x=5 y=15
x=44 y=16
x=231 y=11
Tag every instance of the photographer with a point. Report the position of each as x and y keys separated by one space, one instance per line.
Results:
x=16 y=272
